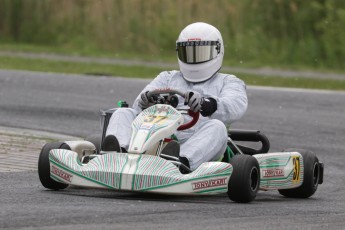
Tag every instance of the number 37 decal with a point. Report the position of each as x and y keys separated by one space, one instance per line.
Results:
x=296 y=169
x=154 y=119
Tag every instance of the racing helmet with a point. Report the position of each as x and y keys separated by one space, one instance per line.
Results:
x=200 y=51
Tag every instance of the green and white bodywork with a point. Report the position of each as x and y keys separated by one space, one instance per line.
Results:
x=146 y=173
x=138 y=172
x=143 y=170
x=280 y=170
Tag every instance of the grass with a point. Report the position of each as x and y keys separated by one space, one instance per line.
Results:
x=33 y=48
x=78 y=68
x=294 y=82
x=150 y=72
x=165 y=57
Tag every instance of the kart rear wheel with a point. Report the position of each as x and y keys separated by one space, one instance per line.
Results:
x=44 y=166
x=244 y=182
x=310 y=179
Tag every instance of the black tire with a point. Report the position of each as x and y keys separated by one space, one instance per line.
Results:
x=311 y=176
x=44 y=166
x=244 y=182
x=96 y=140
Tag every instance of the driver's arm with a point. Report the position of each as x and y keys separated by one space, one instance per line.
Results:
x=232 y=101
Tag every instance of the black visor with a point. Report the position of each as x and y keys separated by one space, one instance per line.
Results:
x=194 y=52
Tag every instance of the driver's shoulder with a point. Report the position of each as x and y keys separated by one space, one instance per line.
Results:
x=169 y=73
x=229 y=78
x=170 y=76
x=226 y=76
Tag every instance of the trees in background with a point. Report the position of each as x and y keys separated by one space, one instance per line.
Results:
x=279 y=32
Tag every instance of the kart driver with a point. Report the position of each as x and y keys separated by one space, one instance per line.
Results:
x=220 y=98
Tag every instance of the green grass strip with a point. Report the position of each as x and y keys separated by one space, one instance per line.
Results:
x=78 y=68
x=151 y=72
x=293 y=82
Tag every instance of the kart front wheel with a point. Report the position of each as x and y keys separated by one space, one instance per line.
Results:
x=312 y=176
x=44 y=166
x=244 y=182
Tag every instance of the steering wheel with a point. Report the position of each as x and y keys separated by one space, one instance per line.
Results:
x=157 y=92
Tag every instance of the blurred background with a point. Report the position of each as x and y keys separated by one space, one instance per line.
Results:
x=294 y=34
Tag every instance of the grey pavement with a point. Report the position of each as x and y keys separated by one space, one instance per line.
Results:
x=69 y=104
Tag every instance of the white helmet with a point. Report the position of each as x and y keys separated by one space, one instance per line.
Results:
x=200 y=51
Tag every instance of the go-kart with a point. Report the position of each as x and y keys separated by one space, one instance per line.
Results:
x=240 y=173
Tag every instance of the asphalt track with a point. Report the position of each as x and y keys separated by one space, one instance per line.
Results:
x=69 y=104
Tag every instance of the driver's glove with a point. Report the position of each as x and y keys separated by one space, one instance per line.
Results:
x=206 y=106
x=144 y=102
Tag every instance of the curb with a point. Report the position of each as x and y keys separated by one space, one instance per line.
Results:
x=20 y=148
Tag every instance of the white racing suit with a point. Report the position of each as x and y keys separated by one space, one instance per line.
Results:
x=207 y=139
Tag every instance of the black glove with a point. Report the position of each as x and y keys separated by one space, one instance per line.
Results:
x=206 y=106
x=144 y=102
x=194 y=100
